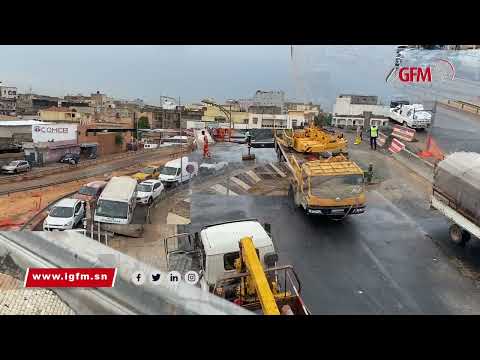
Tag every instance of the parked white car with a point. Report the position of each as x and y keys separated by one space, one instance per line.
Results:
x=65 y=215
x=148 y=191
x=15 y=167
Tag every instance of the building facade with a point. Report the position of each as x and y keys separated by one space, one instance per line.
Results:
x=30 y=104
x=351 y=111
x=269 y=98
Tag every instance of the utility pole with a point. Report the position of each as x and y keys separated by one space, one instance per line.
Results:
x=181 y=143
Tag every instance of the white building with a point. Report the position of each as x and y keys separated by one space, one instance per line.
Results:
x=8 y=92
x=273 y=121
x=355 y=110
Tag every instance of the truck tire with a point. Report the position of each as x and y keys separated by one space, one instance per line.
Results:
x=458 y=235
x=291 y=194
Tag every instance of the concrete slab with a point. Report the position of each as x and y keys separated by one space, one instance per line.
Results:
x=240 y=183
x=277 y=170
x=174 y=219
x=253 y=176
x=223 y=190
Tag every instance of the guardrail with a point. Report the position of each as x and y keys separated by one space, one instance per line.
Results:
x=72 y=250
x=463 y=105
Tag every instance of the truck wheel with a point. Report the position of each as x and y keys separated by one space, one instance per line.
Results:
x=458 y=235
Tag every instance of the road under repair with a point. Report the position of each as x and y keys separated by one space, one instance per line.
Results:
x=394 y=259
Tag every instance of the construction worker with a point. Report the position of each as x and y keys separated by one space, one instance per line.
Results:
x=373 y=136
x=206 y=152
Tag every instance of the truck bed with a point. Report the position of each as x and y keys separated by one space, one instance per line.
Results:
x=454 y=213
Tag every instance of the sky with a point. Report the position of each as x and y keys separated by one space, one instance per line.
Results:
x=317 y=73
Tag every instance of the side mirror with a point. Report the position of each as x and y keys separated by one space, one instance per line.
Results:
x=270 y=259
x=268 y=228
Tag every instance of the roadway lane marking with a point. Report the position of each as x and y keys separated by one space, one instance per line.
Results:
x=222 y=190
x=253 y=176
x=174 y=219
x=240 y=183
x=277 y=170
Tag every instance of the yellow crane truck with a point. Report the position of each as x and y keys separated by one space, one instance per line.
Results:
x=237 y=261
x=322 y=182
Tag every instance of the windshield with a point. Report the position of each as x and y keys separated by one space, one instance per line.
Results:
x=167 y=170
x=148 y=170
x=342 y=186
x=61 y=212
x=113 y=209
x=144 y=188
x=85 y=190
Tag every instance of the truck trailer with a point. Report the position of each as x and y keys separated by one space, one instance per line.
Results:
x=456 y=194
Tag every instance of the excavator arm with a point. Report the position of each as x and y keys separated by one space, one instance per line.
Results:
x=249 y=259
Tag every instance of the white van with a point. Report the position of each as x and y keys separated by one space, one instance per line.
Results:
x=117 y=202
x=177 y=171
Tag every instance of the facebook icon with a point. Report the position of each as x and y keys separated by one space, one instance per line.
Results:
x=138 y=277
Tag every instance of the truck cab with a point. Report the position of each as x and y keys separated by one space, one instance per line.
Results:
x=413 y=116
x=213 y=251
x=216 y=254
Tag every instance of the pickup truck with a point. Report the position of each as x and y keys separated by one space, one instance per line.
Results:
x=413 y=116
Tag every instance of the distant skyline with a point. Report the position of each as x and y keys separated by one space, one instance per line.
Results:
x=317 y=74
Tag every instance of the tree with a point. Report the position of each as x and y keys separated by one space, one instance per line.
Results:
x=143 y=123
x=323 y=119
x=118 y=139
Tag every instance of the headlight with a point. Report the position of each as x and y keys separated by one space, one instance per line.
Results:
x=69 y=223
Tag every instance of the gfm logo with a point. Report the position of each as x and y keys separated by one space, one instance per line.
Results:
x=415 y=74
x=439 y=70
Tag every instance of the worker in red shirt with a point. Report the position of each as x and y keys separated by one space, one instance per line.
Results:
x=206 y=153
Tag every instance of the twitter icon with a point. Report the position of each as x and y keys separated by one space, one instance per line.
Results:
x=155 y=277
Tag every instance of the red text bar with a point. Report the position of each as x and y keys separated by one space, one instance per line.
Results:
x=70 y=277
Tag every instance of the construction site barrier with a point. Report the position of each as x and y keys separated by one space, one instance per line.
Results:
x=403 y=133
x=396 y=146
x=382 y=139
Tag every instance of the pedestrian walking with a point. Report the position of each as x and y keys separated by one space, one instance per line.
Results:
x=206 y=152
x=373 y=137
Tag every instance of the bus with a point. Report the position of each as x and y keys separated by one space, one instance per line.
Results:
x=117 y=202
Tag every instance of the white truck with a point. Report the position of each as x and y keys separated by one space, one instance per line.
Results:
x=178 y=171
x=117 y=202
x=413 y=116
x=456 y=194
x=214 y=252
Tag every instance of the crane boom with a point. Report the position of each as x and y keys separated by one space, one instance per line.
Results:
x=249 y=258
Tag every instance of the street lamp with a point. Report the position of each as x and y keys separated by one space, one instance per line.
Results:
x=228 y=113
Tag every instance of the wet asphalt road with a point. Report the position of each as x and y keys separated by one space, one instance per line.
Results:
x=394 y=259
x=380 y=262
x=456 y=130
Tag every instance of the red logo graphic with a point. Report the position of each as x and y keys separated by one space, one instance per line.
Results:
x=415 y=74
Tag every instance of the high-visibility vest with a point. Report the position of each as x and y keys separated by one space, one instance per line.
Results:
x=373 y=131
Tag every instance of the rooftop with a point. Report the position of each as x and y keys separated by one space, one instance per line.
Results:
x=58 y=109
x=224 y=238
x=22 y=122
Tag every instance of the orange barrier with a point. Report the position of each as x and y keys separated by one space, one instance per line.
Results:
x=432 y=150
x=403 y=133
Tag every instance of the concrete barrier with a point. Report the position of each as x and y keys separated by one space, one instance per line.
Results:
x=73 y=250
x=416 y=164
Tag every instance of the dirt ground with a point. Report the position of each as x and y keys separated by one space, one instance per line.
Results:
x=17 y=208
